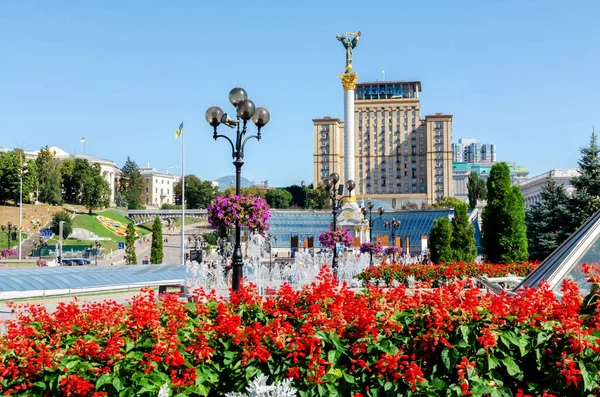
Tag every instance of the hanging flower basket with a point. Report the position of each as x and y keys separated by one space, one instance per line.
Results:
x=393 y=250
x=246 y=211
x=371 y=247
x=330 y=238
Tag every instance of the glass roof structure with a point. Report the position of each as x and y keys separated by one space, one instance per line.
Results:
x=77 y=277
x=305 y=224
x=583 y=247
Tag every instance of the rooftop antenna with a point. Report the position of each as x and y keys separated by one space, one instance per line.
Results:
x=382 y=74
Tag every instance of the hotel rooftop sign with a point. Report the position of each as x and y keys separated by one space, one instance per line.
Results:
x=387 y=90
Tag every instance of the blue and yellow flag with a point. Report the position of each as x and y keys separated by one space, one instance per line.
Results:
x=179 y=131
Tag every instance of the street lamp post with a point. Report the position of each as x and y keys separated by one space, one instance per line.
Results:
x=370 y=220
x=392 y=225
x=271 y=238
x=10 y=230
x=245 y=110
x=331 y=186
x=96 y=245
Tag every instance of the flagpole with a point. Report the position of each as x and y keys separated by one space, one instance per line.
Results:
x=182 y=198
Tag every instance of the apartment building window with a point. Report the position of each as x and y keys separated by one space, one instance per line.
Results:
x=422 y=188
x=147 y=180
x=146 y=189
x=155 y=190
x=439 y=124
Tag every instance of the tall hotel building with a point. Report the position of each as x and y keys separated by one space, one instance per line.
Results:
x=399 y=155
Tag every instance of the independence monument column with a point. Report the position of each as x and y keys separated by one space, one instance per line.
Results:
x=349 y=78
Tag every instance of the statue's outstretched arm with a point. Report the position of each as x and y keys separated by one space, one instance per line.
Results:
x=339 y=38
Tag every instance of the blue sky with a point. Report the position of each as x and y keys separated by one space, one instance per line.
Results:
x=521 y=74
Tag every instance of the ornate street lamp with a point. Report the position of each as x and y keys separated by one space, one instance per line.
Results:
x=245 y=110
x=333 y=190
x=392 y=225
x=96 y=247
x=10 y=231
x=370 y=220
x=271 y=239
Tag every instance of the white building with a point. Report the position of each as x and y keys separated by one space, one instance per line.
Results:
x=108 y=169
x=532 y=187
x=159 y=187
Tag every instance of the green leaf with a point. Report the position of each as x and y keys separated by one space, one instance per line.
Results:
x=349 y=378
x=333 y=356
x=388 y=386
x=104 y=380
x=512 y=368
x=446 y=359
x=117 y=384
x=465 y=331
x=589 y=381
x=492 y=362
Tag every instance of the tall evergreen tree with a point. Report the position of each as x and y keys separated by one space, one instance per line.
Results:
x=549 y=222
x=130 y=257
x=463 y=235
x=131 y=184
x=504 y=230
x=156 y=252
x=440 y=240
x=476 y=189
x=586 y=199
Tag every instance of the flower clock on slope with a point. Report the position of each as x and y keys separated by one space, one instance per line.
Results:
x=224 y=213
x=330 y=238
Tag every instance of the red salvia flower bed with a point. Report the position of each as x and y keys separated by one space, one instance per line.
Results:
x=452 y=340
x=434 y=275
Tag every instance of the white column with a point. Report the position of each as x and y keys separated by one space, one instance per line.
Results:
x=349 y=137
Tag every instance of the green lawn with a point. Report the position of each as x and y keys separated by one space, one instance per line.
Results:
x=17 y=264
x=13 y=243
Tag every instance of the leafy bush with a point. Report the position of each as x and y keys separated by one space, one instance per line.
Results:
x=326 y=338
x=210 y=238
x=64 y=216
x=166 y=206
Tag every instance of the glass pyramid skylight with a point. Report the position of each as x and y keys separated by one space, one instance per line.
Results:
x=583 y=247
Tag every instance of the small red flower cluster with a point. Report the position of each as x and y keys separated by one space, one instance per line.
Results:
x=330 y=340
x=433 y=275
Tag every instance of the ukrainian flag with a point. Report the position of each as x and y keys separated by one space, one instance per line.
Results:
x=179 y=131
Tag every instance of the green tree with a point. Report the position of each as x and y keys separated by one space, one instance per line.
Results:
x=463 y=235
x=210 y=238
x=279 y=198
x=504 y=230
x=156 y=252
x=50 y=178
x=440 y=240
x=198 y=193
x=96 y=191
x=76 y=174
x=65 y=217
x=10 y=177
x=447 y=202
x=586 y=199
x=298 y=195
x=245 y=191
x=131 y=184
x=317 y=198
x=549 y=222
x=476 y=189
x=130 y=257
